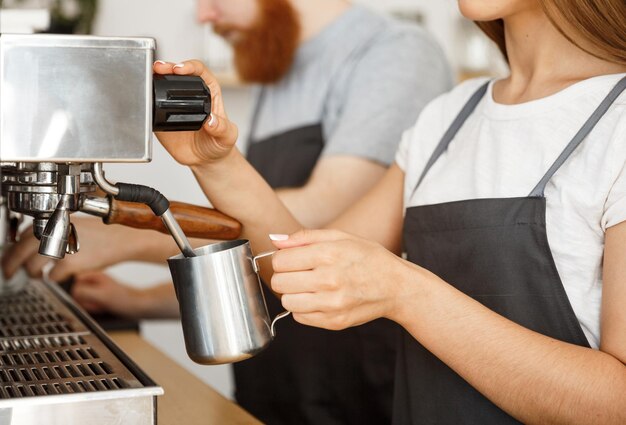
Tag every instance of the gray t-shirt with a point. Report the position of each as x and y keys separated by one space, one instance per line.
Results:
x=365 y=78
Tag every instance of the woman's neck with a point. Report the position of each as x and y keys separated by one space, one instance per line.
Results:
x=543 y=61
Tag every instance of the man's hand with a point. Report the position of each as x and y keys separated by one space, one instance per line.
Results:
x=100 y=247
x=99 y=293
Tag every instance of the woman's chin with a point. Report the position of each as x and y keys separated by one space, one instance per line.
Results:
x=491 y=10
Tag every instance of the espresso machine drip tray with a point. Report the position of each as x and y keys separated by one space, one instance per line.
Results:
x=58 y=367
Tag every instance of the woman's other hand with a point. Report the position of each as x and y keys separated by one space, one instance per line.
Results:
x=333 y=280
x=217 y=137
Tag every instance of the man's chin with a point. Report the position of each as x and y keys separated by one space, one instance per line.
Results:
x=233 y=37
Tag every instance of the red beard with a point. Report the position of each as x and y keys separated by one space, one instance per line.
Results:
x=264 y=53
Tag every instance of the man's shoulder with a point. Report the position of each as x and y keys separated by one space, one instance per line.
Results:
x=372 y=42
x=404 y=54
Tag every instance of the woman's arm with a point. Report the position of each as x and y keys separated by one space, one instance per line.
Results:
x=533 y=377
x=378 y=216
x=333 y=280
x=235 y=188
x=227 y=179
x=614 y=293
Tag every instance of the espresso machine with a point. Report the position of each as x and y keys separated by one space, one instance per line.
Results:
x=68 y=106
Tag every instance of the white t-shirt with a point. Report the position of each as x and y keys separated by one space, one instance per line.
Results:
x=503 y=151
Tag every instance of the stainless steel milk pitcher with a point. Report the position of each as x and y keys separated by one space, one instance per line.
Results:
x=222 y=308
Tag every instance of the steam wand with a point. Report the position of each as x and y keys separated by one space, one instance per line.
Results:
x=149 y=196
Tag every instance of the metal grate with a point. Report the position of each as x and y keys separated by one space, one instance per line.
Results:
x=45 y=350
x=31 y=313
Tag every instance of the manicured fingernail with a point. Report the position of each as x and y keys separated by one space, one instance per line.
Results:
x=212 y=121
x=179 y=65
x=159 y=62
x=279 y=237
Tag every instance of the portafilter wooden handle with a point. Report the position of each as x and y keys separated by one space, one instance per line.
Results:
x=196 y=221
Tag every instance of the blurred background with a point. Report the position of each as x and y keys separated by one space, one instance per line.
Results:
x=173 y=24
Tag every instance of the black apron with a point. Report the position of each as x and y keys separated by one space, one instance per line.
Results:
x=309 y=375
x=496 y=251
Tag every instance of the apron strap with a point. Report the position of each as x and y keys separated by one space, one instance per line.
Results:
x=538 y=191
x=453 y=130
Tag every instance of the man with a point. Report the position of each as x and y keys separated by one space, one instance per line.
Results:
x=337 y=86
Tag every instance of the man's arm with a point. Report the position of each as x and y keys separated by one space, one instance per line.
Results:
x=391 y=83
x=98 y=292
x=336 y=183
x=101 y=247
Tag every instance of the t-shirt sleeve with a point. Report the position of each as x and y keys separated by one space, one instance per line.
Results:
x=402 y=154
x=615 y=207
x=389 y=87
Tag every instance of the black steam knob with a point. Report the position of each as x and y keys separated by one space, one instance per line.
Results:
x=181 y=103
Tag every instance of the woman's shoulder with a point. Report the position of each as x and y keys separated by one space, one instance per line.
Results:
x=621 y=100
x=464 y=90
x=435 y=118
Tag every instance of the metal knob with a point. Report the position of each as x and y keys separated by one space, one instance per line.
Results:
x=181 y=103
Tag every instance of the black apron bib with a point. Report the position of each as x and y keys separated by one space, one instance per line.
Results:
x=496 y=251
x=309 y=375
x=288 y=159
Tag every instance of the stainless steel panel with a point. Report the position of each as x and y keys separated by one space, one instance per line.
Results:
x=75 y=98
x=131 y=411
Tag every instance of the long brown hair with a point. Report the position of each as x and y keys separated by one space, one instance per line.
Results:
x=601 y=23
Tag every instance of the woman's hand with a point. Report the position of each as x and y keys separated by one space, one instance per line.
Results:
x=333 y=280
x=216 y=139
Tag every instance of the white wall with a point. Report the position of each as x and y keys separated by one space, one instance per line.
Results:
x=179 y=37
x=440 y=17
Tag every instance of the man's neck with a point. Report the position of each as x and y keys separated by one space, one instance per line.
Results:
x=315 y=15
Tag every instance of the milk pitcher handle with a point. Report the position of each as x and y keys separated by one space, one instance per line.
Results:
x=257 y=269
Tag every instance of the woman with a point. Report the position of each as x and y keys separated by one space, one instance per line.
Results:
x=512 y=302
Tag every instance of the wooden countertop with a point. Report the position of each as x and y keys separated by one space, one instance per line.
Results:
x=187 y=400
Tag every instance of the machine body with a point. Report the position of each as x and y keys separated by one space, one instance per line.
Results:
x=68 y=103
